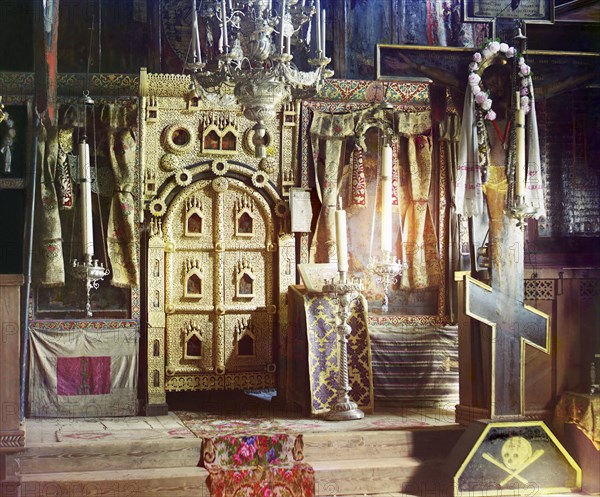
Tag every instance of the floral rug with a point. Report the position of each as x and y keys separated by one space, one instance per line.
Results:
x=257 y=466
x=213 y=424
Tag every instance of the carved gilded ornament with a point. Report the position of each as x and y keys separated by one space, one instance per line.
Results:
x=179 y=138
x=244 y=217
x=219 y=167
x=192 y=335
x=249 y=146
x=194 y=217
x=245 y=280
x=183 y=177
x=157 y=207
x=150 y=185
x=169 y=162
x=220 y=185
x=267 y=165
x=193 y=282
x=260 y=179
x=282 y=209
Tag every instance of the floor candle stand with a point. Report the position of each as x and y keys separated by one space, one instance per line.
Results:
x=344 y=409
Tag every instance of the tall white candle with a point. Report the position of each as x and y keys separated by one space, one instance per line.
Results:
x=520 y=145
x=318 y=26
x=323 y=38
x=341 y=238
x=87 y=228
x=281 y=25
x=196 y=47
x=225 y=36
x=386 y=199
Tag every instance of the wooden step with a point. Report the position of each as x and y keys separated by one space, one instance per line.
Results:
x=164 y=482
x=422 y=443
x=115 y=455
x=379 y=476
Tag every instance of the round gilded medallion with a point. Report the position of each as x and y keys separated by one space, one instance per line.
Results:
x=269 y=166
x=219 y=167
x=183 y=177
x=157 y=208
x=281 y=209
x=259 y=179
x=220 y=184
x=178 y=138
x=169 y=162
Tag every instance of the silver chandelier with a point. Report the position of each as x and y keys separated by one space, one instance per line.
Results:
x=250 y=42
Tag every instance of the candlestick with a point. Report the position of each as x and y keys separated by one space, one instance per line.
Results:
x=318 y=26
x=341 y=239
x=87 y=234
x=345 y=409
x=520 y=145
x=386 y=199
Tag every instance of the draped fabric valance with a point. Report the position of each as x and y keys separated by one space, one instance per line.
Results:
x=121 y=240
x=419 y=237
x=328 y=135
x=412 y=123
x=50 y=259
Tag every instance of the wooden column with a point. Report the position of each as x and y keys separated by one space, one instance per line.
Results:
x=12 y=437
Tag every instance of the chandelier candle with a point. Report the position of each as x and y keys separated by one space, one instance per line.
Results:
x=341 y=238
x=318 y=26
x=225 y=37
x=323 y=23
x=281 y=25
x=87 y=234
x=386 y=199
x=196 y=52
x=520 y=131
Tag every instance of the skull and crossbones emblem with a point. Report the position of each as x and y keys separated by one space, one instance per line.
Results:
x=517 y=454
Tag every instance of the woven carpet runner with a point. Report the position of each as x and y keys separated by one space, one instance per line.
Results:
x=257 y=466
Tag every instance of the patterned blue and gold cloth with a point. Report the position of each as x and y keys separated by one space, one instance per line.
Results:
x=313 y=344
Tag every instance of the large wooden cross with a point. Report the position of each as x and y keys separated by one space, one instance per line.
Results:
x=513 y=325
x=502 y=307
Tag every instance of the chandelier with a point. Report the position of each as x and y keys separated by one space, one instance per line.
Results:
x=248 y=47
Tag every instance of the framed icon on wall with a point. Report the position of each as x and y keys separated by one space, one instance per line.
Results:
x=529 y=11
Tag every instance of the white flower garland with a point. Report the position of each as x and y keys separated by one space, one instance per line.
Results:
x=482 y=98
